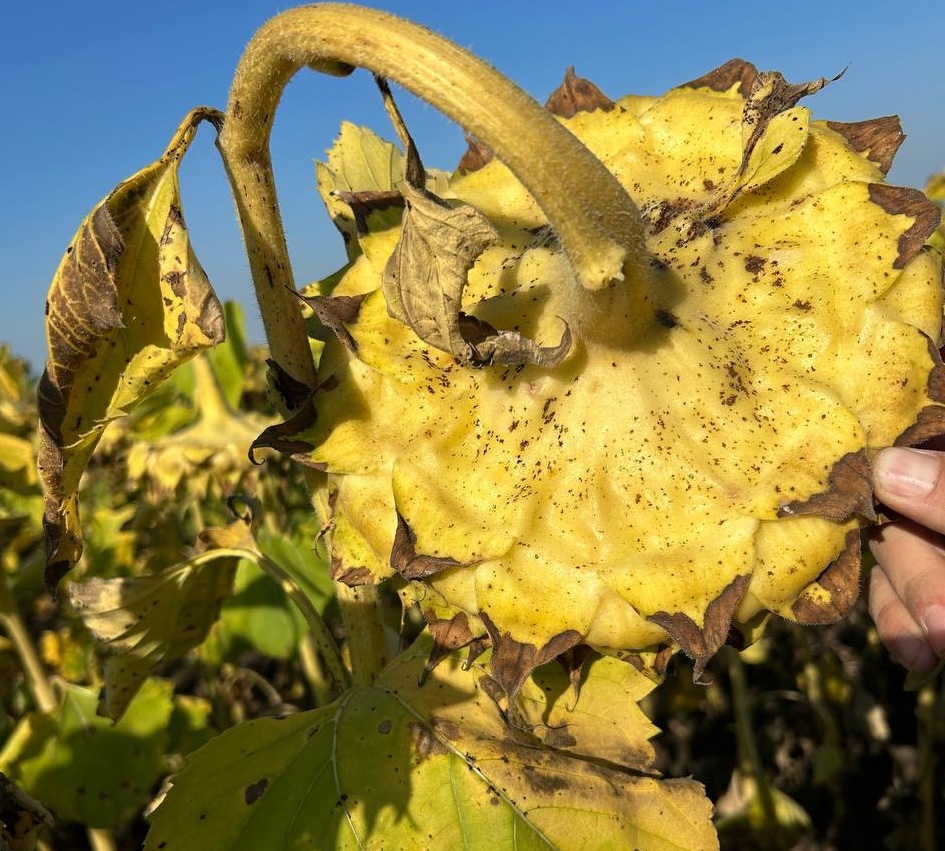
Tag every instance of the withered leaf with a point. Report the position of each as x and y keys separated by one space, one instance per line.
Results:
x=836 y=589
x=128 y=304
x=427 y=272
x=701 y=643
x=285 y=437
x=449 y=634
x=138 y=622
x=336 y=312
x=509 y=348
x=512 y=661
x=771 y=95
x=576 y=94
x=410 y=564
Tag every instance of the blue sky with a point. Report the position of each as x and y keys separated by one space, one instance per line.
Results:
x=93 y=91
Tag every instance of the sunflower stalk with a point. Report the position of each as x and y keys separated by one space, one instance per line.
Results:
x=596 y=221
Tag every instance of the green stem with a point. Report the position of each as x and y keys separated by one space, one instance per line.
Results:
x=33 y=670
x=320 y=690
x=317 y=627
x=926 y=713
x=364 y=630
x=598 y=224
x=748 y=757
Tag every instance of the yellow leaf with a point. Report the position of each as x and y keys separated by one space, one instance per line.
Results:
x=128 y=303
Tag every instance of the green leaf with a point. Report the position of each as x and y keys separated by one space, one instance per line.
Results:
x=299 y=561
x=128 y=303
x=139 y=622
x=228 y=360
x=86 y=768
x=437 y=766
x=258 y=615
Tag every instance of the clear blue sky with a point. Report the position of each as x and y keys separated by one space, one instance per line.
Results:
x=92 y=92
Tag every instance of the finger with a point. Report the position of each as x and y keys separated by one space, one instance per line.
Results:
x=903 y=637
x=912 y=560
x=912 y=482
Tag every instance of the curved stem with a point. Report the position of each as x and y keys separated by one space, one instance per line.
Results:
x=318 y=629
x=12 y=624
x=598 y=224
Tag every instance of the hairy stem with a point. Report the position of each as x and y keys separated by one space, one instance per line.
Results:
x=596 y=221
x=360 y=613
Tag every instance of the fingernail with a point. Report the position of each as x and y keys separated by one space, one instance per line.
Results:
x=914 y=654
x=934 y=622
x=907 y=472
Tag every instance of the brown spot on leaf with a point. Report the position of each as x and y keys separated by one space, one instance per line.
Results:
x=900 y=200
x=848 y=492
x=701 y=643
x=754 y=264
x=735 y=71
x=841 y=580
x=543 y=782
x=576 y=94
x=255 y=791
x=878 y=139
x=410 y=564
x=513 y=661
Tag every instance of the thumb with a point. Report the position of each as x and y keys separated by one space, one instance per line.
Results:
x=912 y=482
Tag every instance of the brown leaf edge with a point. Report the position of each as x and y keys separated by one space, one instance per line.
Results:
x=841 y=579
x=577 y=94
x=512 y=662
x=721 y=79
x=878 y=139
x=930 y=422
x=449 y=634
x=848 y=492
x=702 y=643
x=283 y=437
x=410 y=564
x=900 y=200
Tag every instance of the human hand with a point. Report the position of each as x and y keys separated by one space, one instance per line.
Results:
x=907 y=586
